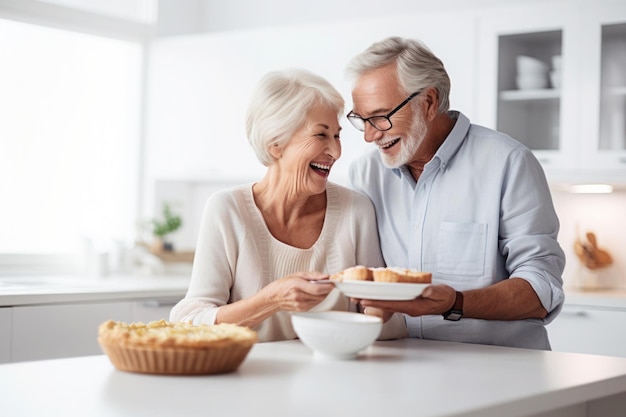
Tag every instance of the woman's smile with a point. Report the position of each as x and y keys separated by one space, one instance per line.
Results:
x=322 y=169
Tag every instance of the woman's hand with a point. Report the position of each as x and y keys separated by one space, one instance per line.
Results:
x=297 y=292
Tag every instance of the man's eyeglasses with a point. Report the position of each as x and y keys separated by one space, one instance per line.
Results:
x=381 y=123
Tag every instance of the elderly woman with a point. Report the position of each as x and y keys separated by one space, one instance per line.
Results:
x=262 y=246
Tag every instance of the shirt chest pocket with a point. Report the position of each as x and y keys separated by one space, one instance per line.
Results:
x=461 y=248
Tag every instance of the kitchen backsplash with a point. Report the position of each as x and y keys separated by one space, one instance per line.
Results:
x=601 y=214
x=604 y=215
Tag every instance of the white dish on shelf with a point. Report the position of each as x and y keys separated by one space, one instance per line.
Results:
x=531 y=82
x=373 y=290
x=555 y=79
x=527 y=66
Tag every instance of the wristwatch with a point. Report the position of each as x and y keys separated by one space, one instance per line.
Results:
x=456 y=312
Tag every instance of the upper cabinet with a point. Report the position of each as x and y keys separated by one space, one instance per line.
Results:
x=603 y=88
x=553 y=77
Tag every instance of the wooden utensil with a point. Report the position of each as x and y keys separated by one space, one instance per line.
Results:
x=592 y=256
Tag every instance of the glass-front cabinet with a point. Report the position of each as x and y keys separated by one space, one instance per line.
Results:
x=525 y=86
x=604 y=92
x=613 y=88
x=529 y=94
x=554 y=78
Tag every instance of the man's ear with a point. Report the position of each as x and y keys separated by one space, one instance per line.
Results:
x=275 y=150
x=432 y=101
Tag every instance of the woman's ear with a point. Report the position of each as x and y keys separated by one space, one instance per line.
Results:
x=275 y=150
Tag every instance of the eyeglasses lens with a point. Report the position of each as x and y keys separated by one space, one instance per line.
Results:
x=379 y=122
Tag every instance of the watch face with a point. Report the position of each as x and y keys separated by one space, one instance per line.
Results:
x=454 y=315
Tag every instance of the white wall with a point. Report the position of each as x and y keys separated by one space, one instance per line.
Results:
x=188 y=16
x=199 y=87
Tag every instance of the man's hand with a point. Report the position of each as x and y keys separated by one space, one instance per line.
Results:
x=511 y=299
x=435 y=299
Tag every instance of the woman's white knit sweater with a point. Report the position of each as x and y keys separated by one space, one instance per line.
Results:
x=236 y=255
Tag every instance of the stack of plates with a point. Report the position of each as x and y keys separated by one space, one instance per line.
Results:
x=555 y=74
x=532 y=73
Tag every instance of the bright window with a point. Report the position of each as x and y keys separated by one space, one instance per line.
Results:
x=69 y=138
x=136 y=10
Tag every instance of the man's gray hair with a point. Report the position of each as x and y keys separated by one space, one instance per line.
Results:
x=417 y=67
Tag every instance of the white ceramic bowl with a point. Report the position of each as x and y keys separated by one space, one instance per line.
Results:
x=556 y=62
x=531 y=82
x=527 y=65
x=336 y=334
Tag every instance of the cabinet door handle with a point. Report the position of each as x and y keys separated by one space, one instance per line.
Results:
x=578 y=313
x=157 y=304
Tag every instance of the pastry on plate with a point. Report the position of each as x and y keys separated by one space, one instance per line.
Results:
x=357 y=273
x=383 y=274
x=394 y=274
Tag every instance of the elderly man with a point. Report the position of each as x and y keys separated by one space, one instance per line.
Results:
x=469 y=204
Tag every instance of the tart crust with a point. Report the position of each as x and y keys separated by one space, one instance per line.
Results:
x=358 y=273
x=161 y=347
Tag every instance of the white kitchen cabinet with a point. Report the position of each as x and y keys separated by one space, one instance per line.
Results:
x=603 y=92
x=593 y=330
x=575 y=123
x=150 y=310
x=59 y=331
x=544 y=118
x=65 y=330
x=5 y=334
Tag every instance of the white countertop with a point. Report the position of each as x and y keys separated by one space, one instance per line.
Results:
x=18 y=291
x=606 y=299
x=392 y=378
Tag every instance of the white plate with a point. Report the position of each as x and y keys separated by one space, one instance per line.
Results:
x=380 y=290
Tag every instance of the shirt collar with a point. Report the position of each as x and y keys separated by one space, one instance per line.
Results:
x=449 y=147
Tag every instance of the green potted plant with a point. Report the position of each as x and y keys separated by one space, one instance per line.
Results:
x=163 y=227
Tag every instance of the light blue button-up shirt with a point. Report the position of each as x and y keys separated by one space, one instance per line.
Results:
x=481 y=212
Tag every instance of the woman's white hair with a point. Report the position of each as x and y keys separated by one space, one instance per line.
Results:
x=416 y=66
x=280 y=104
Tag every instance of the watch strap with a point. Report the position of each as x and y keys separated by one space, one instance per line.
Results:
x=456 y=312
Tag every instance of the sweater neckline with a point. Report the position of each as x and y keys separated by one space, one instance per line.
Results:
x=329 y=227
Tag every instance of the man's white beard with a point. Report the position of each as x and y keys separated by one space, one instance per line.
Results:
x=408 y=145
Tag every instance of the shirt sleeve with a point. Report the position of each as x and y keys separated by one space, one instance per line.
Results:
x=212 y=274
x=528 y=231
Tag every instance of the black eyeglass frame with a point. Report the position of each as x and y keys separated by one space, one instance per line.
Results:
x=353 y=117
